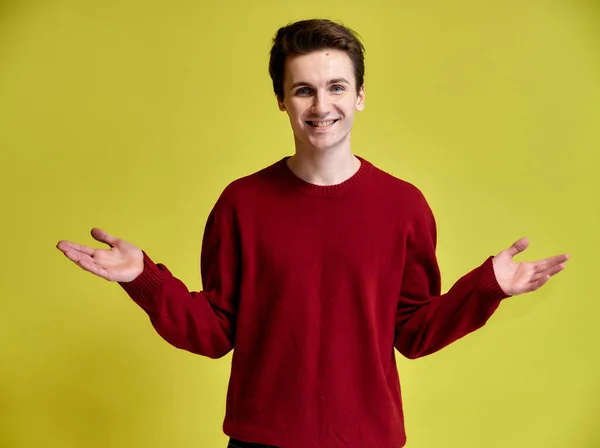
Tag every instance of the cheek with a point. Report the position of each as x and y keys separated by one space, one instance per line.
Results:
x=294 y=109
x=348 y=108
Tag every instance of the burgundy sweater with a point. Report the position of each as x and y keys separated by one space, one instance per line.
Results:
x=313 y=287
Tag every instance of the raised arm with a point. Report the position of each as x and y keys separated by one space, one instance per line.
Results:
x=200 y=322
x=427 y=321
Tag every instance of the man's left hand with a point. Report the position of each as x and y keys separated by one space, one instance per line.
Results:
x=518 y=278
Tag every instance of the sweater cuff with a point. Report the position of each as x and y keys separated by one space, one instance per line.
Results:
x=488 y=285
x=144 y=286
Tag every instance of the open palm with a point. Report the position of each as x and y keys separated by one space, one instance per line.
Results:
x=518 y=278
x=122 y=262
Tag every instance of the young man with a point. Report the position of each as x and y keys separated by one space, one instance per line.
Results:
x=314 y=269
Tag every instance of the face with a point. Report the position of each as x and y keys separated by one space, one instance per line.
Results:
x=320 y=98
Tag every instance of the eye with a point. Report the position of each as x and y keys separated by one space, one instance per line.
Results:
x=337 y=88
x=303 y=91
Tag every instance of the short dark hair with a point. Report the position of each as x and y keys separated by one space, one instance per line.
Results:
x=305 y=36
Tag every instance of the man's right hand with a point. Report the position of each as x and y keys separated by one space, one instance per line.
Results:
x=123 y=262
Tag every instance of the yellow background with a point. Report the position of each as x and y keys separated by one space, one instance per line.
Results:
x=134 y=115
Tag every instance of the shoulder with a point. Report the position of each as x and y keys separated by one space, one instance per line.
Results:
x=408 y=201
x=400 y=191
x=253 y=185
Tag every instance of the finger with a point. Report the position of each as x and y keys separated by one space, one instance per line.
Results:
x=542 y=265
x=518 y=247
x=104 y=237
x=77 y=256
x=539 y=283
x=551 y=271
x=87 y=263
x=90 y=266
x=65 y=246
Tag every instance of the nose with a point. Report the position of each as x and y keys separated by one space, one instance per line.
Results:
x=321 y=104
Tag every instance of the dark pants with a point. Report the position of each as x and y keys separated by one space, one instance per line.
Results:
x=233 y=443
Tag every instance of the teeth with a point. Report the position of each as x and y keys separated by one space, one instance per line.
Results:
x=322 y=123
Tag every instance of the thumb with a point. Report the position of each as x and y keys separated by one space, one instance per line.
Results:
x=518 y=247
x=103 y=237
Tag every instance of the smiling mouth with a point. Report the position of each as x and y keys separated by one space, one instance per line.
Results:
x=322 y=123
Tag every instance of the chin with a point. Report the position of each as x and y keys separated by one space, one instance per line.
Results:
x=327 y=143
x=324 y=146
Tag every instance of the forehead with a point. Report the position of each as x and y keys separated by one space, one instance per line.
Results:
x=318 y=67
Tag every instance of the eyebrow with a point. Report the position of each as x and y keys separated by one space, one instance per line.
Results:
x=331 y=81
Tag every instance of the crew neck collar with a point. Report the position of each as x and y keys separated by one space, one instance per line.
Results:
x=327 y=191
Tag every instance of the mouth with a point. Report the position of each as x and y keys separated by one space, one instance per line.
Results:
x=322 y=124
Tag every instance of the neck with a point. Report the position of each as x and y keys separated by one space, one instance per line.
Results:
x=324 y=167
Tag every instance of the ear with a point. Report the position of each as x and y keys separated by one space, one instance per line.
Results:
x=281 y=106
x=360 y=101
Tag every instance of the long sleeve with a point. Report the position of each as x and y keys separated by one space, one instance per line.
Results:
x=200 y=322
x=427 y=321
